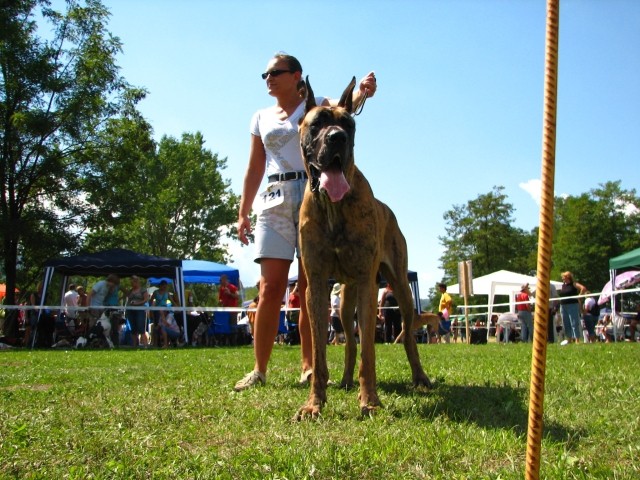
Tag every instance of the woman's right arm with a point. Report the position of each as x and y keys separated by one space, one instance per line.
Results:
x=252 y=179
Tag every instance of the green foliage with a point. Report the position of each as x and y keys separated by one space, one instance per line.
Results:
x=591 y=228
x=173 y=414
x=56 y=92
x=481 y=231
x=168 y=199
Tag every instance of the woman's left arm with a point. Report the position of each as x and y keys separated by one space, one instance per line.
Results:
x=367 y=86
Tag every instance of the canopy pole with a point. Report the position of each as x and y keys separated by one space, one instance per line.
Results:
x=539 y=350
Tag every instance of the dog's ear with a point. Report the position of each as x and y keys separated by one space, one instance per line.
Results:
x=311 y=99
x=346 y=100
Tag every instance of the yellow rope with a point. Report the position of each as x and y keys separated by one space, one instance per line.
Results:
x=539 y=351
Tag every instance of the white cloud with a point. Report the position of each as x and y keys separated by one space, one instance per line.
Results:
x=533 y=187
x=242 y=258
x=626 y=208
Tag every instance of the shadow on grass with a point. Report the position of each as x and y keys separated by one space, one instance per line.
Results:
x=487 y=406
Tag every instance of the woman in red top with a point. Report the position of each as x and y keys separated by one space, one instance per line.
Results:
x=227 y=293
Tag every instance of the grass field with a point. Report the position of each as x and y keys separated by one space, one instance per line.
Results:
x=172 y=414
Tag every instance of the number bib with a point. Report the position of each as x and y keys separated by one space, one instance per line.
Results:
x=271 y=197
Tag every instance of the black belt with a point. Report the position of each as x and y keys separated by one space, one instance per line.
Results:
x=283 y=177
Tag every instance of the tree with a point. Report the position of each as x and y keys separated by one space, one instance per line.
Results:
x=481 y=231
x=593 y=227
x=55 y=95
x=168 y=199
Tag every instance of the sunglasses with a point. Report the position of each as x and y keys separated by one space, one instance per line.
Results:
x=275 y=73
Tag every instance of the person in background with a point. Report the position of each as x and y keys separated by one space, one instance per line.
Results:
x=633 y=325
x=591 y=313
x=570 y=307
x=446 y=303
x=83 y=314
x=336 y=323
x=275 y=151
x=70 y=302
x=227 y=293
x=523 y=311
x=35 y=299
x=169 y=328
x=293 y=304
x=103 y=294
x=391 y=314
x=444 y=328
x=159 y=298
x=138 y=297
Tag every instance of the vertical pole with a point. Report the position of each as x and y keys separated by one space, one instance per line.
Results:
x=539 y=350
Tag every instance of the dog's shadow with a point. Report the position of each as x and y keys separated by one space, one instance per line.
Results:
x=489 y=406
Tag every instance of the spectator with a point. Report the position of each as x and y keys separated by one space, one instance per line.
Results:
x=83 y=314
x=169 y=328
x=601 y=329
x=293 y=305
x=633 y=325
x=570 y=307
x=454 y=329
x=524 y=313
x=35 y=299
x=391 y=314
x=70 y=302
x=227 y=293
x=591 y=313
x=138 y=297
x=446 y=303
x=104 y=293
x=336 y=323
x=444 y=328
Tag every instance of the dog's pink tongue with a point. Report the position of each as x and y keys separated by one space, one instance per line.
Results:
x=334 y=183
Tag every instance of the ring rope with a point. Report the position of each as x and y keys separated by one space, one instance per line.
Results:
x=539 y=349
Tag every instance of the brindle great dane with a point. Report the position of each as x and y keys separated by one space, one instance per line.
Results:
x=346 y=234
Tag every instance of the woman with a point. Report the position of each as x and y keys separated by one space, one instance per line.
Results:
x=159 y=298
x=570 y=307
x=275 y=149
x=138 y=297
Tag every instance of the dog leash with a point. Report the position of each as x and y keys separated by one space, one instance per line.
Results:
x=358 y=109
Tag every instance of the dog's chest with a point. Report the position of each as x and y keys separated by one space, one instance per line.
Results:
x=350 y=240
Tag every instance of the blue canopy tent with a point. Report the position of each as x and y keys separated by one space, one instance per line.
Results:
x=202 y=271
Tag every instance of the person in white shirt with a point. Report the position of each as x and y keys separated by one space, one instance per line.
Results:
x=71 y=308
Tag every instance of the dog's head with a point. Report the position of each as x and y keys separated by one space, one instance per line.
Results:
x=327 y=139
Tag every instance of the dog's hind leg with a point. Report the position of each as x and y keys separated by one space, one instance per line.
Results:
x=347 y=311
x=398 y=279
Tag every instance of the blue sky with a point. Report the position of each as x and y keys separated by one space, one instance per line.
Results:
x=459 y=105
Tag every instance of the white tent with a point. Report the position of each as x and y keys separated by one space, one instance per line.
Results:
x=502 y=282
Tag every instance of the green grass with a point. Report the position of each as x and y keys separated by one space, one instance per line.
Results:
x=172 y=414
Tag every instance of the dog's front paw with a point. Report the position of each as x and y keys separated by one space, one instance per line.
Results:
x=369 y=403
x=421 y=380
x=311 y=409
x=369 y=410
